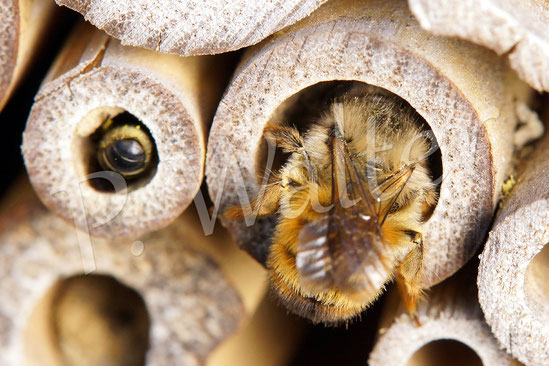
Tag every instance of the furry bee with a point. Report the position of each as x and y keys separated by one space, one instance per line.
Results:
x=124 y=147
x=350 y=202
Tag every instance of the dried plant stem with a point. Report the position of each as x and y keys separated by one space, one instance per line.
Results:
x=514 y=267
x=452 y=330
x=94 y=78
x=516 y=29
x=23 y=27
x=195 y=300
x=466 y=94
x=191 y=27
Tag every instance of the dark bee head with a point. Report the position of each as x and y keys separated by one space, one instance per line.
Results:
x=125 y=148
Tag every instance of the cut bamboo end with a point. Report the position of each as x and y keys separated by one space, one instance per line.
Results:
x=515 y=28
x=22 y=26
x=465 y=93
x=514 y=265
x=452 y=331
x=94 y=79
x=167 y=281
x=190 y=27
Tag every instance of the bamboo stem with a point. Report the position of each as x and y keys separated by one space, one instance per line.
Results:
x=452 y=330
x=23 y=25
x=269 y=338
x=194 y=300
x=517 y=29
x=190 y=27
x=513 y=270
x=465 y=93
x=95 y=78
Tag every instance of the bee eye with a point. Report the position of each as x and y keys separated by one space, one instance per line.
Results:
x=126 y=149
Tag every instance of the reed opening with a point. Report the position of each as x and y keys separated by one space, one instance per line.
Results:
x=89 y=320
x=304 y=108
x=445 y=352
x=536 y=285
x=112 y=143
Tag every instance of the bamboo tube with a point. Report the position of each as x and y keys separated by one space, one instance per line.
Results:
x=190 y=27
x=513 y=269
x=95 y=78
x=22 y=26
x=196 y=290
x=517 y=29
x=268 y=339
x=465 y=93
x=452 y=330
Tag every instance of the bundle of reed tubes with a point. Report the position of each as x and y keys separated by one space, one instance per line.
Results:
x=449 y=330
x=23 y=25
x=170 y=297
x=466 y=94
x=512 y=280
x=94 y=83
x=190 y=27
x=516 y=29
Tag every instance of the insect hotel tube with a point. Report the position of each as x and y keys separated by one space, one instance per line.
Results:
x=449 y=329
x=513 y=270
x=22 y=25
x=517 y=29
x=190 y=27
x=269 y=338
x=115 y=140
x=169 y=298
x=466 y=95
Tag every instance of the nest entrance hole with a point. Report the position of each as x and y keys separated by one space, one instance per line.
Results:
x=90 y=320
x=536 y=284
x=93 y=130
x=445 y=352
x=305 y=107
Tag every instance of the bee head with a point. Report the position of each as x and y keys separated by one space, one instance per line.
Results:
x=123 y=145
x=125 y=149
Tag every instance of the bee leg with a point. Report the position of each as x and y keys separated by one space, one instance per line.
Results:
x=290 y=140
x=265 y=204
x=409 y=275
x=286 y=137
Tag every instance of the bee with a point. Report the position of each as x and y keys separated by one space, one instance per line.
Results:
x=350 y=203
x=125 y=147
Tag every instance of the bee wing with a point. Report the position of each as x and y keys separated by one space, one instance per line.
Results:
x=314 y=260
x=333 y=250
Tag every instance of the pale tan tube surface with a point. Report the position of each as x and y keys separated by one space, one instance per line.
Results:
x=190 y=27
x=465 y=93
x=514 y=28
x=452 y=331
x=95 y=78
x=197 y=292
x=514 y=268
x=23 y=27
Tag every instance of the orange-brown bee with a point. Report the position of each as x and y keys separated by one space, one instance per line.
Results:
x=350 y=203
